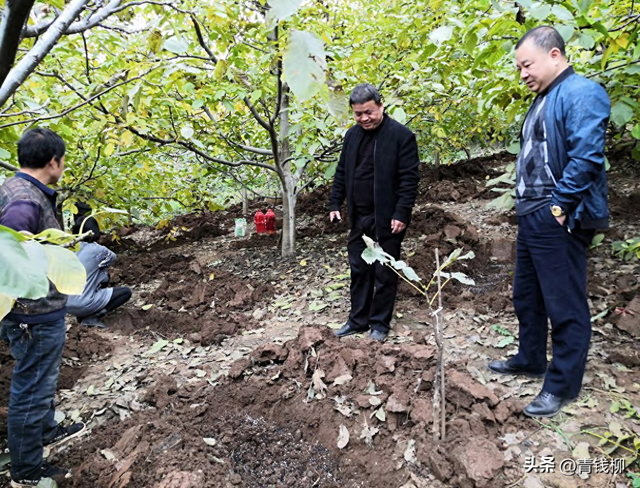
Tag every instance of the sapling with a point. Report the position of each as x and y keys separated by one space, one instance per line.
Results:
x=374 y=253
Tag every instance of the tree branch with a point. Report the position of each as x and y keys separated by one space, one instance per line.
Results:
x=8 y=166
x=16 y=14
x=19 y=73
x=92 y=20
x=77 y=106
x=268 y=127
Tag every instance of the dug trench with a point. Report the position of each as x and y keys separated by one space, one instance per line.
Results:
x=276 y=420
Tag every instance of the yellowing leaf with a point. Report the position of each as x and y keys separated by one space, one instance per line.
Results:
x=65 y=270
x=147 y=306
x=127 y=137
x=6 y=303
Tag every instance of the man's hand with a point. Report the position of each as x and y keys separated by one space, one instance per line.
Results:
x=561 y=220
x=335 y=215
x=397 y=226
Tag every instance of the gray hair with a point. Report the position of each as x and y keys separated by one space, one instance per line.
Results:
x=363 y=93
x=545 y=37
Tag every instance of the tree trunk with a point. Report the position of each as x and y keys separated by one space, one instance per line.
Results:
x=245 y=202
x=287 y=182
x=289 y=216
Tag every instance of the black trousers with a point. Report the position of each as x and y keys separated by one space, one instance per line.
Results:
x=550 y=282
x=373 y=287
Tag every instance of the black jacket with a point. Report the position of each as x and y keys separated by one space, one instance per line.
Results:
x=396 y=174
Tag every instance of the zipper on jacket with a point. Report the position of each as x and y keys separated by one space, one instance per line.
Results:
x=375 y=227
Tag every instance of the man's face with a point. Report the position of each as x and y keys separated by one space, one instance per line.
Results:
x=368 y=115
x=56 y=168
x=537 y=68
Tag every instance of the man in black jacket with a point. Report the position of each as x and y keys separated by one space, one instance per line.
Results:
x=378 y=175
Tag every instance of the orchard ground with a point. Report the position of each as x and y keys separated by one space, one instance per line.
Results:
x=223 y=369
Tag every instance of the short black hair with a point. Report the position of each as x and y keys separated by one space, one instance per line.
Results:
x=545 y=37
x=363 y=93
x=38 y=146
x=87 y=224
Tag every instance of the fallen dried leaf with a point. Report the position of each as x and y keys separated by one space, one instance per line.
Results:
x=343 y=437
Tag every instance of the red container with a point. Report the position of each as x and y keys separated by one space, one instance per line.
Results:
x=261 y=222
x=271 y=222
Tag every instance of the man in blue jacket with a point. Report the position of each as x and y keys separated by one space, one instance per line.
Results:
x=378 y=175
x=35 y=329
x=561 y=198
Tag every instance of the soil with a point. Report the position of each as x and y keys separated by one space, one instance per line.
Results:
x=223 y=369
x=270 y=431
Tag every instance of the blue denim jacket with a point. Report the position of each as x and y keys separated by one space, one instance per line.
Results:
x=576 y=117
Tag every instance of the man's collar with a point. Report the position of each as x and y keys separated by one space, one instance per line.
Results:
x=48 y=191
x=559 y=79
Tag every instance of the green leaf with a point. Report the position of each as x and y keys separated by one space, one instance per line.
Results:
x=585 y=5
x=399 y=114
x=338 y=105
x=55 y=236
x=566 y=31
x=47 y=483
x=621 y=113
x=411 y=274
x=221 y=69
x=20 y=277
x=157 y=347
x=399 y=265
x=461 y=277
x=505 y=342
x=304 y=64
x=282 y=9
x=4 y=154
x=501 y=330
x=441 y=34
x=470 y=43
x=586 y=41
x=65 y=270
x=514 y=148
x=635 y=133
x=176 y=45
x=317 y=306
x=541 y=12
x=597 y=240
x=561 y=13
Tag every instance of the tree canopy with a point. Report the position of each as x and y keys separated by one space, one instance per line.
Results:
x=166 y=104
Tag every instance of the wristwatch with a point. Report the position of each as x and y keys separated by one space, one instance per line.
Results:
x=557 y=211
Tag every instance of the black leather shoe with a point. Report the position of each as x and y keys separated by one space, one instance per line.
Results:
x=505 y=367
x=377 y=335
x=546 y=405
x=348 y=329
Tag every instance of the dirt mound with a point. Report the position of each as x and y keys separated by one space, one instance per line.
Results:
x=315 y=202
x=624 y=207
x=83 y=346
x=190 y=298
x=477 y=168
x=257 y=241
x=277 y=420
x=451 y=191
